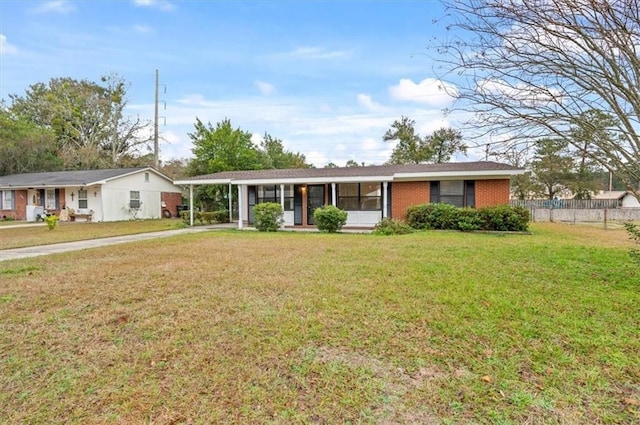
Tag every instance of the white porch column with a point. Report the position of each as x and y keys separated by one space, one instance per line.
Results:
x=282 y=202
x=333 y=194
x=240 y=205
x=384 y=199
x=191 y=205
x=230 y=203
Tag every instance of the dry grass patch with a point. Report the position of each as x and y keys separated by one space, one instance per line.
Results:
x=246 y=327
x=33 y=235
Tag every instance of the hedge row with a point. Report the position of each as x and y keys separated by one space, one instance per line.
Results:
x=503 y=218
x=208 y=217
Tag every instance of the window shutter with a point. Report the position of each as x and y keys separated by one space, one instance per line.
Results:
x=57 y=199
x=434 y=192
x=470 y=193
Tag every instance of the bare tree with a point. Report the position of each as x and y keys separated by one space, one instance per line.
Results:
x=534 y=69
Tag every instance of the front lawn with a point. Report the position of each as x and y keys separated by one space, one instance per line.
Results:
x=22 y=234
x=249 y=327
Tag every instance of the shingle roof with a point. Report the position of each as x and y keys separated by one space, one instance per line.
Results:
x=367 y=171
x=64 y=178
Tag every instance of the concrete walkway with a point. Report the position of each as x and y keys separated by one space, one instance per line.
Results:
x=36 y=251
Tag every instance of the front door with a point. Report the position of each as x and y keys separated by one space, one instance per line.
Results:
x=315 y=199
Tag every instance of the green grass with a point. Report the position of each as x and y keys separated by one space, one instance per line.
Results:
x=248 y=327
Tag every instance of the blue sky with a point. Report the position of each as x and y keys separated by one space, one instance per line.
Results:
x=326 y=77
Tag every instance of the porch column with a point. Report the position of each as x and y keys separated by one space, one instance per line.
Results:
x=333 y=194
x=240 y=206
x=282 y=202
x=230 y=203
x=384 y=199
x=191 y=205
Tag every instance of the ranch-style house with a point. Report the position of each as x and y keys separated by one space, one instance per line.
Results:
x=90 y=195
x=368 y=193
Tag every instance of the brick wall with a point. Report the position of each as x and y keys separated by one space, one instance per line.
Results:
x=492 y=192
x=172 y=200
x=405 y=194
x=19 y=211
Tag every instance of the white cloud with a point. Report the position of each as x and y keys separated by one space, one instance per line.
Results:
x=265 y=88
x=163 y=5
x=315 y=53
x=5 y=47
x=525 y=94
x=429 y=91
x=366 y=101
x=55 y=6
x=143 y=29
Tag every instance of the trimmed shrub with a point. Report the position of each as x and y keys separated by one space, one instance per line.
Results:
x=388 y=226
x=52 y=221
x=268 y=216
x=419 y=216
x=504 y=218
x=433 y=216
x=437 y=216
x=185 y=214
x=468 y=219
x=330 y=218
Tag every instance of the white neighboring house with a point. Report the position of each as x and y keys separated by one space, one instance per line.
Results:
x=90 y=195
x=625 y=199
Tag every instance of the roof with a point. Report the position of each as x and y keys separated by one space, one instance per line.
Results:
x=367 y=173
x=615 y=194
x=68 y=178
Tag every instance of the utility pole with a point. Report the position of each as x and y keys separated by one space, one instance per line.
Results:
x=156 y=149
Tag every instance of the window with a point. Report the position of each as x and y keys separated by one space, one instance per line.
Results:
x=134 y=200
x=460 y=193
x=146 y=177
x=82 y=199
x=271 y=193
x=50 y=199
x=6 y=201
x=360 y=196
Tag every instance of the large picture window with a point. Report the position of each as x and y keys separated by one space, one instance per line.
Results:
x=460 y=193
x=271 y=193
x=360 y=196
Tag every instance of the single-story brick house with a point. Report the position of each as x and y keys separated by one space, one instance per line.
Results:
x=368 y=193
x=90 y=195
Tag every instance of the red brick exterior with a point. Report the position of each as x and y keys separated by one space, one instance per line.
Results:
x=487 y=192
x=20 y=208
x=405 y=194
x=492 y=192
x=172 y=200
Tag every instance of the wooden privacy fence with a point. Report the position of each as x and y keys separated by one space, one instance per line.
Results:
x=578 y=211
x=567 y=204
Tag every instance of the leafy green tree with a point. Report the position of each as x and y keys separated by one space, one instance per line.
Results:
x=278 y=157
x=221 y=148
x=411 y=148
x=24 y=147
x=87 y=120
x=551 y=166
x=352 y=163
x=442 y=144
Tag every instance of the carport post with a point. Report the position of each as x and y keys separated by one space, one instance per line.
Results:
x=384 y=199
x=191 y=205
x=240 y=206
x=333 y=194
x=230 y=204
